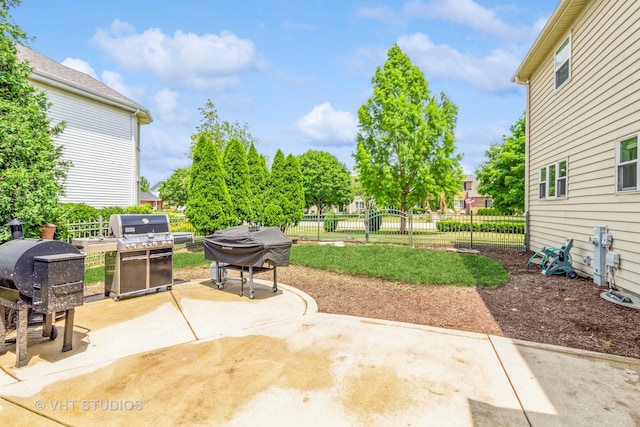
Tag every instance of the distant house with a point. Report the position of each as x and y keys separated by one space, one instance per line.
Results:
x=152 y=198
x=582 y=76
x=102 y=135
x=469 y=200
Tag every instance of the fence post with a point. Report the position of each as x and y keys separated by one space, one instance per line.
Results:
x=471 y=225
x=411 y=227
x=318 y=224
x=366 y=225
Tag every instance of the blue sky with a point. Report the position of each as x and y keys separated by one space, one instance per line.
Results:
x=295 y=72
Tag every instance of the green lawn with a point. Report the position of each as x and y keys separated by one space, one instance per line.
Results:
x=393 y=262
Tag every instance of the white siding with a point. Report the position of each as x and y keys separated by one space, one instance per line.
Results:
x=101 y=141
x=581 y=122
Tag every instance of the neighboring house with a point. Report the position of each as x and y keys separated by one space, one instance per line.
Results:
x=469 y=199
x=152 y=198
x=102 y=135
x=582 y=76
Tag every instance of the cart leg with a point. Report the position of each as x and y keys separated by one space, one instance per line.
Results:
x=251 y=294
x=67 y=341
x=21 y=334
x=3 y=329
x=275 y=279
x=47 y=324
x=241 y=282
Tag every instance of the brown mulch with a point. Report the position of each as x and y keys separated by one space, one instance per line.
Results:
x=530 y=306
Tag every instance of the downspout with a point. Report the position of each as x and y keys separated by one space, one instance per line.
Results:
x=136 y=157
x=527 y=165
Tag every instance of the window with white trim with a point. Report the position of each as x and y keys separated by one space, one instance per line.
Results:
x=562 y=62
x=627 y=164
x=553 y=181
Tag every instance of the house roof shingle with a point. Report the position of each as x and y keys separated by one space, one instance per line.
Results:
x=54 y=73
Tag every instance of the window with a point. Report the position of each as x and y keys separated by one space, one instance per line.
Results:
x=627 y=164
x=562 y=62
x=553 y=180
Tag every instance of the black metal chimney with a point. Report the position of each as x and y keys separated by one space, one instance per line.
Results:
x=15 y=225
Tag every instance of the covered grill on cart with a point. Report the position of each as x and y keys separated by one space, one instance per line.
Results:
x=38 y=277
x=247 y=248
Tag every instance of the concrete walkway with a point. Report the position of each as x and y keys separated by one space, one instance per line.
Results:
x=196 y=355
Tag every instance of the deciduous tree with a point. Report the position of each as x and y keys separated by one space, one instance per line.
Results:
x=406 y=151
x=32 y=168
x=175 y=189
x=221 y=132
x=502 y=175
x=326 y=180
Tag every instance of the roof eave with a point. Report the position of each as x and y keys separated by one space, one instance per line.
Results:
x=143 y=115
x=556 y=27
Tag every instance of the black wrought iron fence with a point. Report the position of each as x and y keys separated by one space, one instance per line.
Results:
x=421 y=230
x=470 y=231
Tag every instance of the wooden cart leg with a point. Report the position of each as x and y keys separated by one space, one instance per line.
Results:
x=3 y=329
x=21 y=334
x=67 y=342
x=47 y=324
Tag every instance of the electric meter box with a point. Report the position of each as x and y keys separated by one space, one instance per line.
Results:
x=613 y=259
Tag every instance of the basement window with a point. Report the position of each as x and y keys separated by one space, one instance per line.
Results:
x=553 y=181
x=627 y=164
x=562 y=62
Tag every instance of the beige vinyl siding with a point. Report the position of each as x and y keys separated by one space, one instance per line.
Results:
x=581 y=122
x=100 y=141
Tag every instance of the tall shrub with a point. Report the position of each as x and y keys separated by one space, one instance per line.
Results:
x=209 y=206
x=236 y=176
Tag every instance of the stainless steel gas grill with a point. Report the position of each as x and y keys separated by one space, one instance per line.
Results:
x=38 y=277
x=143 y=259
x=251 y=249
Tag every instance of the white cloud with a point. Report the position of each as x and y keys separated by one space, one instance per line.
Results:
x=115 y=81
x=383 y=14
x=208 y=61
x=80 y=65
x=469 y=14
x=165 y=104
x=491 y=73
x=325 y=124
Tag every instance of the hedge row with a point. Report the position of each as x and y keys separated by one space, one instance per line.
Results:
x=492 y=227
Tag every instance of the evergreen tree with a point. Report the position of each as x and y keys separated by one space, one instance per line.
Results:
x=236 y=177
x=274 y=214
x=293 y=190
x=32 y=171
x=258 y=173
x=209 y=206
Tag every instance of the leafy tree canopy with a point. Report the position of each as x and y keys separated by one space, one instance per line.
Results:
x=32 y=170
x=326 y=180
x=144 y=184
x=406 y=152
x=175 y=189
x=502 y=175
x=221 y=132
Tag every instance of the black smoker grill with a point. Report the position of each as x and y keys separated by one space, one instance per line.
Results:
x=39 y=277
x=143 y=259
x=251 y=249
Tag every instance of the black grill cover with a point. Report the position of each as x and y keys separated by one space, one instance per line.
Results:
x=245 y=248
